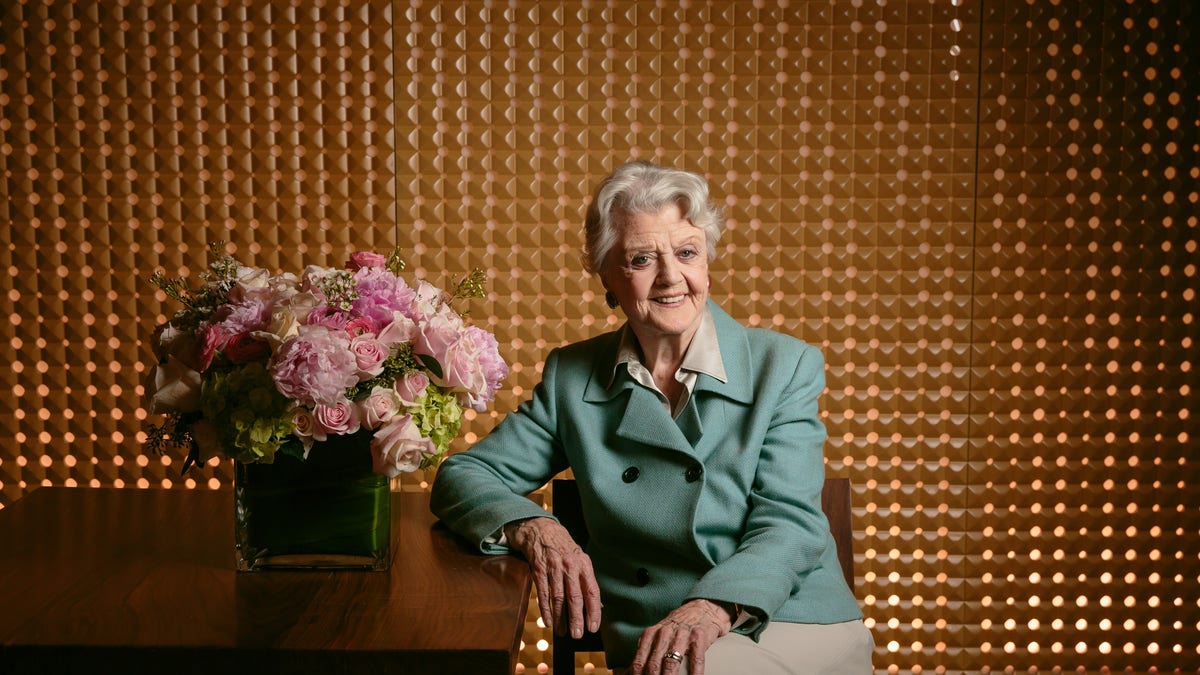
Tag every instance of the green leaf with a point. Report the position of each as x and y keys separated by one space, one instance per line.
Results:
x=431 y=365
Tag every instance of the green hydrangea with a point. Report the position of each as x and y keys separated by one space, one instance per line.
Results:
x=439 y=417
x=252 y=418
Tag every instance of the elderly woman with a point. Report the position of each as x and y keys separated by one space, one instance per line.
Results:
x=697 y=448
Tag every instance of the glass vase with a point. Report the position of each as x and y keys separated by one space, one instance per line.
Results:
x=329 y=510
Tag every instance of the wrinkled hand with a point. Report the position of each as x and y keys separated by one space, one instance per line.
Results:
x=690 y=630
x=562 y=574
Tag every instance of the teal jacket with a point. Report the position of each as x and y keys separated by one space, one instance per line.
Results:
x=722 y=503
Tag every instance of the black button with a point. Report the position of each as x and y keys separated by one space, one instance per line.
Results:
x=643 y=576
x=693 y=473
x=631 y=474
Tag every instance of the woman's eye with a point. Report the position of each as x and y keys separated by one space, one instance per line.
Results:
x=687 y=253
x=640 y=260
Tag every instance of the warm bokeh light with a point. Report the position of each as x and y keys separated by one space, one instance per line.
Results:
x=984 y=214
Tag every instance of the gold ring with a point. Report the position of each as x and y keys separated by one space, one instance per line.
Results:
x=674 y=656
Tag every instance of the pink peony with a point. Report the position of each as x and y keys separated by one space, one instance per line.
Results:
x=365 y=259
x=337 y=419
x=398 y=447
x=380 y=293
x=327 y=316
x=378 y=407
x=316 y=366
x=251 y=313
x=473 y=366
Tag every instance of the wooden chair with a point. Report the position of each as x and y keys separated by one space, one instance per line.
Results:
x=835 y=502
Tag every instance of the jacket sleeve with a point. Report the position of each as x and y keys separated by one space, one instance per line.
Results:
x=478 y=491
x=786 y=532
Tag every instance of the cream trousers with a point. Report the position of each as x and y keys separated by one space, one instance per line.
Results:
x=791 y=649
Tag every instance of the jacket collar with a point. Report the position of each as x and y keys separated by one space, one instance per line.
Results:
x=604 y=384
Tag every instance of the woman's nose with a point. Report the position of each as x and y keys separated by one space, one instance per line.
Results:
x=668 y=270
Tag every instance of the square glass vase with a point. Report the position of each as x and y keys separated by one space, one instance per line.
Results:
x=327 y=511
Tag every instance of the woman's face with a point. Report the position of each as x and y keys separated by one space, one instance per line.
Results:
x=659 y=272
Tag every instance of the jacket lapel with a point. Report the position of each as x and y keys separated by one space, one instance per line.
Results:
x=644 y=419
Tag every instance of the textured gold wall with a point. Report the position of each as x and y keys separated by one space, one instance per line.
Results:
x=984 y=213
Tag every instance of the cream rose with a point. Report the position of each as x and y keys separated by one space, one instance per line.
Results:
x=398 y=447
x=284 y=325
x=304 y=427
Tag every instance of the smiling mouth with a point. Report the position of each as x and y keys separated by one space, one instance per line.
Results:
x=670 y=300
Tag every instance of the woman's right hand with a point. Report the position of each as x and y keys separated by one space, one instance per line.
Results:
x=562 y=575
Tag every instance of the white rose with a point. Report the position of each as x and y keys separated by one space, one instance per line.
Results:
x=302 y=304
x=175 y=388
x=284 y=285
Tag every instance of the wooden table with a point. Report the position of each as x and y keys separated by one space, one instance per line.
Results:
x=96 y=580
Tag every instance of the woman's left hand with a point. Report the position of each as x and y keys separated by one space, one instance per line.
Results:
x=688 y=631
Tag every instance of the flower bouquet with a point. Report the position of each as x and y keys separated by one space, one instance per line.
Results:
x=321 y=387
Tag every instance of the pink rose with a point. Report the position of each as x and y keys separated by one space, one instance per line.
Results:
x=316 y=366
x=411 y=387
x=369 y=355
x=378 y=407
x=337 y=419
x=380 y=293
x=245 y=348
x=253 y=312
x=212 y=339
x=401 y=329
x=437 y=334
x=398 y=447
x=363 y=259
